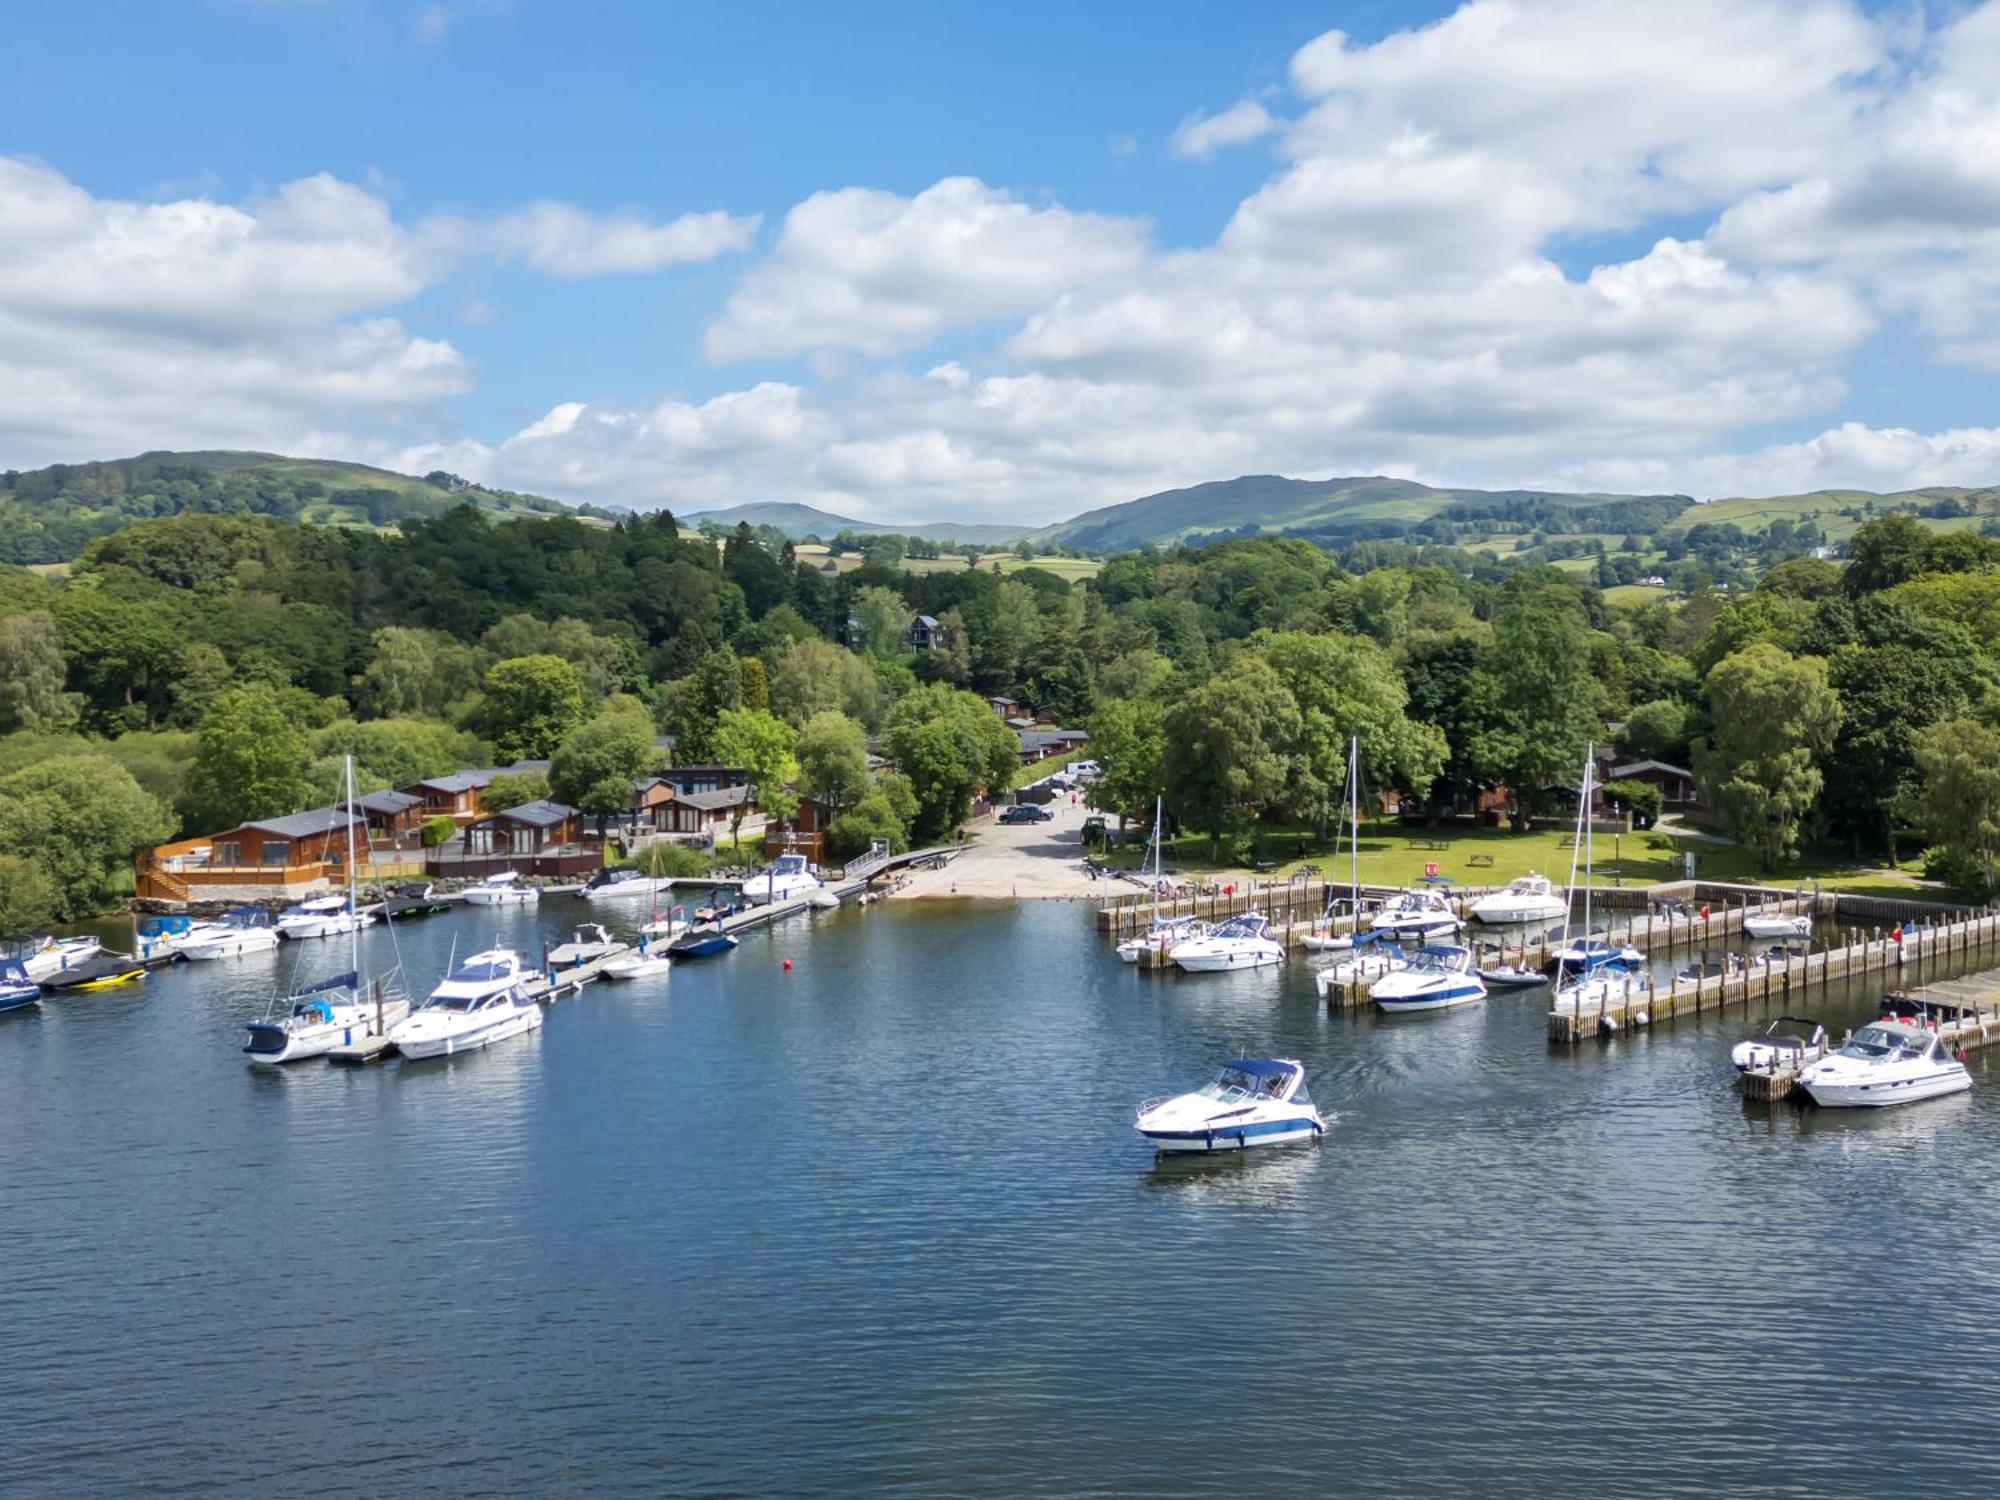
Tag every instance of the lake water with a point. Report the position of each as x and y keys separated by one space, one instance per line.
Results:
x=881 y=1225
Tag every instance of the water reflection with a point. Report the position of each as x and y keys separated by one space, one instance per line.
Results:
x=1267 y=1177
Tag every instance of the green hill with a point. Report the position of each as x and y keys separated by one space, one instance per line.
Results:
x=1343 y=510
x=48 y=515
x=798 y=521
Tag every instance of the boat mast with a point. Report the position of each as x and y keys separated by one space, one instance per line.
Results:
x=1575 y=851
x=353 y=895
x=1589 y=829
x=1354 y=825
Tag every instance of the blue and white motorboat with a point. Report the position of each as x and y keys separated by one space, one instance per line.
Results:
x=701 y=942
x=16 y=988
x=1594 y=949
x=1243 y=942
x=1440 y=977
x=1415 y=914
x=1606 y=984
x=1252 y=1102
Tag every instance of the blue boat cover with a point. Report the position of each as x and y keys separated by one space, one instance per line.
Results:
x=13 y=971
x=155 y=926
x=1441 y=950
x=348 y=981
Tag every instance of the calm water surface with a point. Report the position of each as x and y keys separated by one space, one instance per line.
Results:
x=882 y=1225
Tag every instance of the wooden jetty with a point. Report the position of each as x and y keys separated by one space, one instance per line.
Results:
x=361 y=1050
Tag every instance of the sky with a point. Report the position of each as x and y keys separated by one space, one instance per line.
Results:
x=1008 y=263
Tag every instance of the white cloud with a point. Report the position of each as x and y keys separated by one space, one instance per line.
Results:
x=1850 y=456
x=872 y=271
x=1200 y=136
x=563 y=240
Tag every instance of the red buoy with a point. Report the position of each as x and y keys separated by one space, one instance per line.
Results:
x=788 y=966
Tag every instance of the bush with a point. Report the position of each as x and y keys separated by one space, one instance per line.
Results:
x=871 y=818
x=438 y=830
x=1643 y=800
x=676 y=860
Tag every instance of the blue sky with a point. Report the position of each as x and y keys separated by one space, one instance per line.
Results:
x=1433 y=248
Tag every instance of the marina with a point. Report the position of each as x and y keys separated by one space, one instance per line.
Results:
x=861 y=1283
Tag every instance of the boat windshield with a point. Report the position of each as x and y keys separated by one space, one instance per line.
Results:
x=481 y=973
x=1240 y=927
x=460 y=1004
x=1877 y=1042
x=1233 y=1085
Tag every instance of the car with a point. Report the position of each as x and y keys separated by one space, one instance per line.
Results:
x=1025 y=812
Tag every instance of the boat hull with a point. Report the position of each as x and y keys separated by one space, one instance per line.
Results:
x=636 y=968
x=451 y=1043
x=1215 y=963
x=337 y=925
x=1517 y=914
x=204 y=950
x=1234 y=1136
x=525 y=897
x=273 y=1044
x=1862 y=1094
x=14 y=997
x=1432 y=1000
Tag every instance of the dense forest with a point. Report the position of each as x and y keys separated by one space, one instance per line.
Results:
x=199 y=669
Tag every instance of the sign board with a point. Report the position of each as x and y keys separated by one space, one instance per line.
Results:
x=1688 y=863
x=1430 y=867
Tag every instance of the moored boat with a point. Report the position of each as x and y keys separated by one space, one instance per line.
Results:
x=1789 y=1041
x=642 y=962
x=1526 y=898
x=588 y=942
x=1252 y=1102
x=502 y=889
x=241 y=930
x=1372 y=955
x=1440 y=977
x=464 y=1023
x=1884 y=1063
x=701 y=942
x=47 y=957
x=1415 y=914
x=16 y=988
x=322 y=916
x=494 y=971
x=789 y=877
x=101 y=971
x=1241 y=942
x=1777 y=924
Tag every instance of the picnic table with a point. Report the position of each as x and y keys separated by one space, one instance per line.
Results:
x=1266 y=867
x=1480 y=861
x=1430 y=843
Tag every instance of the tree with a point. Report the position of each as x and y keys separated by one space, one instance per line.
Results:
x=1128 y=742
x=79 y=819
x=1657 y=731
x=29 y=900
x=1887 y=695
x=695 y=703
x=1885 y=552
x=833 y=760
x=512 y=789
x=949 y=745
x=597 y=763
x=756 y=691
x=32 y=673
x=532 y=704
x=1225 y=758
x=1958 y=804
x=1549 y=699
x=250 y=758
x=1641 y=799
x=880 y=618
x=204 y=672
x=761 y=744
x=815 y=676
x=395 y=752
x=1775 y=715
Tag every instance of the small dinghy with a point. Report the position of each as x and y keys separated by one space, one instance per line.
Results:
x=1252 y=1102
x=643 y=962
x=1513 y=976
x=589 y=942
x=1789 y=1041
x=701 y=942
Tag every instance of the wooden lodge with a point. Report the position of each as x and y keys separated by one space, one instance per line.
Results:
x=802 y=833
x=536 y=838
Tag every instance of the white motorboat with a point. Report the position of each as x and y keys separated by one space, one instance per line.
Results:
x=1372 y=955
x=322 y=916
x=1513 y=976
x=314 y=1021
x=644 y=962
x=1240 y=943
x=246 y=929
x=1415 y=914
x=1252 y=1102
x=465 y=1023
x=503 y=889
x=48 y=957
x=668 y=924
x=1777 y=924
x=787 y=878
x=495 y=971
x=587 y=943
x=620 y=882
x=1789 y=1041
x=1604 y=985
x=1166 y=934
x=1886 y=1062
x=1527 y=898
x=1324 y=937
x=1438 y=978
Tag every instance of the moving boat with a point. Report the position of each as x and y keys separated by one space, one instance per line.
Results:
x=1884 y=1063
x=618 y=882
x=503 y=889
x=1776 y=924
x=16 y=988
x=1527 y=898
x=1372 y=955
x=1240 y=943
x=1417 y=914
x=496 y=971
x=48 y=957
x=336 y=1011
x=786 y=878
x=244 y=929
x=1439 y=978
x=1789 y=1041
x=588 y=943
x=464 y=1023
x=643 y=962
x=1252 y=1102
x=323 y=916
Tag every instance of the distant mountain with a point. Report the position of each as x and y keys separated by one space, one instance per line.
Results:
x=48 y=515
x=1335 y=511
x=797 y=521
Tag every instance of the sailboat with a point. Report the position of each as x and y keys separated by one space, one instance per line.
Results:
x=1607 y=975
x=1331 y=941
x=314 y=1021
x=1165 y=931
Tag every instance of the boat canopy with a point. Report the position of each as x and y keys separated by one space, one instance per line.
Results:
x=1440 y=950
x=1263 y=1067
x=1605 y=958
x=162 y=926
x=13 y=971
x=480 y=969
x=348 y=981
x=1249 y=924
x=247 y=916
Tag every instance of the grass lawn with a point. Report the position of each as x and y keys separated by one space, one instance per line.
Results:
x=1393 y=855
x=1635 y=593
